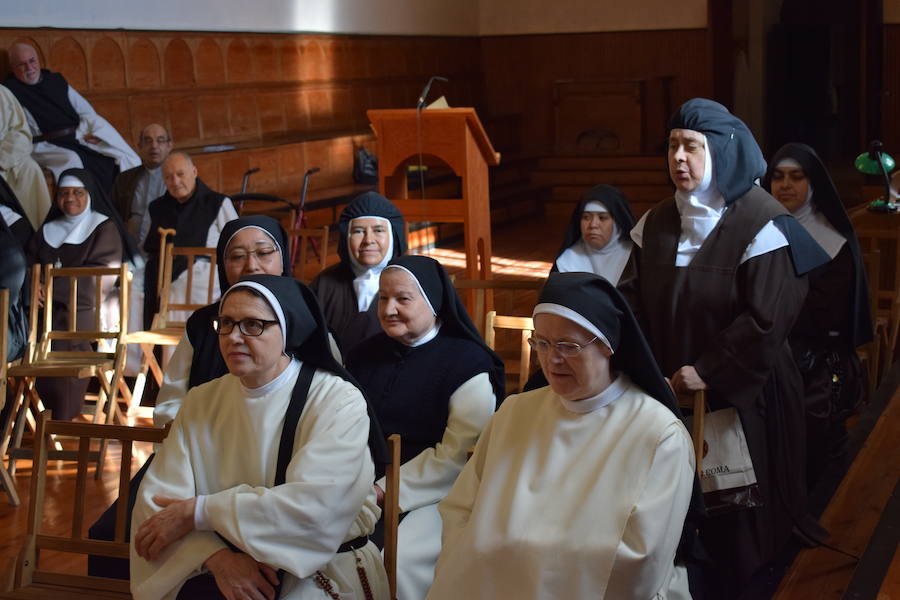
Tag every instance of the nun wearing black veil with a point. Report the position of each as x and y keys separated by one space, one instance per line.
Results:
x=836 y=318
x=579 y=489
x=718 y=285
x=81 y=230
x=265 y=478
x=249 y=245
x=597 y=239
x=433 y=380
x=372 y=232
x=12 y=278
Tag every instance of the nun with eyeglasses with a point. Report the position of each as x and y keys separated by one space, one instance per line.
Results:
x=263 y=486
x=578 y=489
x=432 y=379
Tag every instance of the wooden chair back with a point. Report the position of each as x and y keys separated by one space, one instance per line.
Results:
x=870 y=354
x=525 y=327
x=483 y=290
x=6 y=481
x=392 y=512
x=886 y=283
x=34 y=578
x=696 y=402
x=73 y=277
x=167 y=304
x=300 y=241
x=164 y=235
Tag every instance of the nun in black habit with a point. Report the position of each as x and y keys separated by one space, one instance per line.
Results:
x=578 y=489
x=836 y=318
x=718 y=285
x=371 y=233
x=12 y=278
x=597 y=239
x=432 y=379
x=81 y=230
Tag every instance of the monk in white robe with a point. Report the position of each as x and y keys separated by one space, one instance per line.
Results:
x=221 y=473
x=17 y=167
x=580 y=489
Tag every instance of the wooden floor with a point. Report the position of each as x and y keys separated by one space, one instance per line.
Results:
x=525 y=250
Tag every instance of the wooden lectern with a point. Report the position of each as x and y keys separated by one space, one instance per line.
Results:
x=455 y=136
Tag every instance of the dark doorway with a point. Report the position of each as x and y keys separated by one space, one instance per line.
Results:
x=823 y=84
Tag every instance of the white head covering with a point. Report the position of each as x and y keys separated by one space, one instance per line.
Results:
x=72 y=230
x=700 y=212
x=567 y=313
x=366 y=283
x=608 y=262
x=812 y=219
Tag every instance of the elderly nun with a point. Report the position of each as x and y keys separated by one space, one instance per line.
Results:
x=372 y=232
x=264 y=482
x=579 y=489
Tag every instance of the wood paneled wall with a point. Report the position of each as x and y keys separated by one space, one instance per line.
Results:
x=522 y=72
x=890 y=97
x=285 y=101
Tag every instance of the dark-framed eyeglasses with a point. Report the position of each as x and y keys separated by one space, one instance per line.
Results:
x=250 y=327
x=262 y=254
x=567 y=349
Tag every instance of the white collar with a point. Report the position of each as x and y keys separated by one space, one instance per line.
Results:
x=819 y=227
x=72 y=230
x=612 y=392
x=427 y=337
x=267 y=388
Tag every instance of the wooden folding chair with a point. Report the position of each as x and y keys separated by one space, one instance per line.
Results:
x=392 y=512
x=525 y=327
x=697 y=403
x=483 y=290
x=7 y=481
x=35 y=578
x=104 y=364
x=300 y=241
x=164 y=329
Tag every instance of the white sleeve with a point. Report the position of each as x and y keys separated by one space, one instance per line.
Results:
x=89 y=121
x=456 y=507
x=15 y=143
x=226 y=213
x=175 y=383
x=297 y=526
x=426 y=478
x=637 y=232
x=171 y=474
x=768 y=239
x=32 y=123
x=645 y=557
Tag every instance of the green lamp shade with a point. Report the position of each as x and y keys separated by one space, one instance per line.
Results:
x=864 y=163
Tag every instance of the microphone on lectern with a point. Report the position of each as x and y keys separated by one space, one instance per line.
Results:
x=421 y=103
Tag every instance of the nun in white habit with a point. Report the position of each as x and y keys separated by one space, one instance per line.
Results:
x=597 y=239
x=81 y=230
x=577 y=490
x=265 y=478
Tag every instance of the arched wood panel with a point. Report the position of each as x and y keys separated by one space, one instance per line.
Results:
x=67 y=56
x=107 y=65
x=238 y=60
x=144 y=70
x=265 y=61
x=210 y=64
x=178 y=62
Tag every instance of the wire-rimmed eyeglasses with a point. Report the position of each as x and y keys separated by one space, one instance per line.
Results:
x=567 y=349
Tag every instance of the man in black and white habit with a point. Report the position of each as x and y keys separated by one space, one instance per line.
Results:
x=68 y=133
x=197 y=214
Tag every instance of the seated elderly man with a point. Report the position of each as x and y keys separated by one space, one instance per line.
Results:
x=17 y=168
x=137 y=187
x=68 y=132
x=578 y=490
x=197 y=214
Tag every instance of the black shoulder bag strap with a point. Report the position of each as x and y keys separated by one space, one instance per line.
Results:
x=204 y=586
